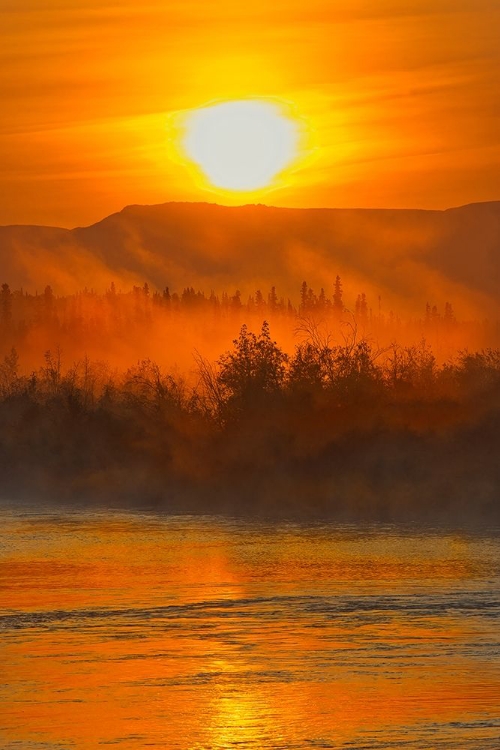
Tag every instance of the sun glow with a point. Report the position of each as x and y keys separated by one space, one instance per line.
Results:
x=241 y=145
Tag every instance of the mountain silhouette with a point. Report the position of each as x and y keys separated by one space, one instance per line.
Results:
x=407 y=257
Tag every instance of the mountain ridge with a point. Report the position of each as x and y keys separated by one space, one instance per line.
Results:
x=258 y=205
x=407 y=256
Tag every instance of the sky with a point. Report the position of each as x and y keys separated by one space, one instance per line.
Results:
x=398 y=100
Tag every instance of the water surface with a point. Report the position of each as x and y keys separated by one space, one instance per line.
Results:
x=184 y=633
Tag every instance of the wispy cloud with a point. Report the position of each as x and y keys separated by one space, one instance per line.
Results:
x=373 y=79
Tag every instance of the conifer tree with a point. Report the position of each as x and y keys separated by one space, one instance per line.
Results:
x=338 y=305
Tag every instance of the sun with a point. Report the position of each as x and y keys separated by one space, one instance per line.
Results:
x=241 y=145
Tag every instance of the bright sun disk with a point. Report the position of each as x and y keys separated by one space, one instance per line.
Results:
x=240 y=145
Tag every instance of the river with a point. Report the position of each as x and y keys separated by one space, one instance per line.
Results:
x=138 y=630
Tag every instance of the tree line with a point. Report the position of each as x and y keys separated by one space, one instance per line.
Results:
x=20 y=309
x=333 y=425
x=257 y=369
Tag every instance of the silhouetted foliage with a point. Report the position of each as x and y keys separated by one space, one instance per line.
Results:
x=79 y=320
x=332 y=428
x=253 y=371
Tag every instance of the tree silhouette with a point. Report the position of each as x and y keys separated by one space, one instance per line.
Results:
x=338 y=305
x=304 y=297
x=272 y=299
x=254 y=369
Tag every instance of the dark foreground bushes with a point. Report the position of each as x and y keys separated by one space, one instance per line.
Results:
x=334 y=429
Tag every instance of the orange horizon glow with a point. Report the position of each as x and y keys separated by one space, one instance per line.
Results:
x=400 y=102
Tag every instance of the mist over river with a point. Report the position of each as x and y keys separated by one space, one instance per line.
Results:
x=134 y=630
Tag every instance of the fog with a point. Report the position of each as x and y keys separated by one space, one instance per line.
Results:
x=348 y=430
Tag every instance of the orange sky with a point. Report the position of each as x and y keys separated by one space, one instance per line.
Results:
x=400 y=99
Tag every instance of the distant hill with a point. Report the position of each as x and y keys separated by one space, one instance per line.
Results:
x=408 y=257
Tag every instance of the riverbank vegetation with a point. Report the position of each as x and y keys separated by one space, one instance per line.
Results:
x=340 y=428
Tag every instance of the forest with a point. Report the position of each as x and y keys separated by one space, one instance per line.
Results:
x=123 y=326
x=338 y=424
x=20 y=310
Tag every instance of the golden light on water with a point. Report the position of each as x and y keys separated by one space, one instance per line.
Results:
x=148 y=631
x=242 y=145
